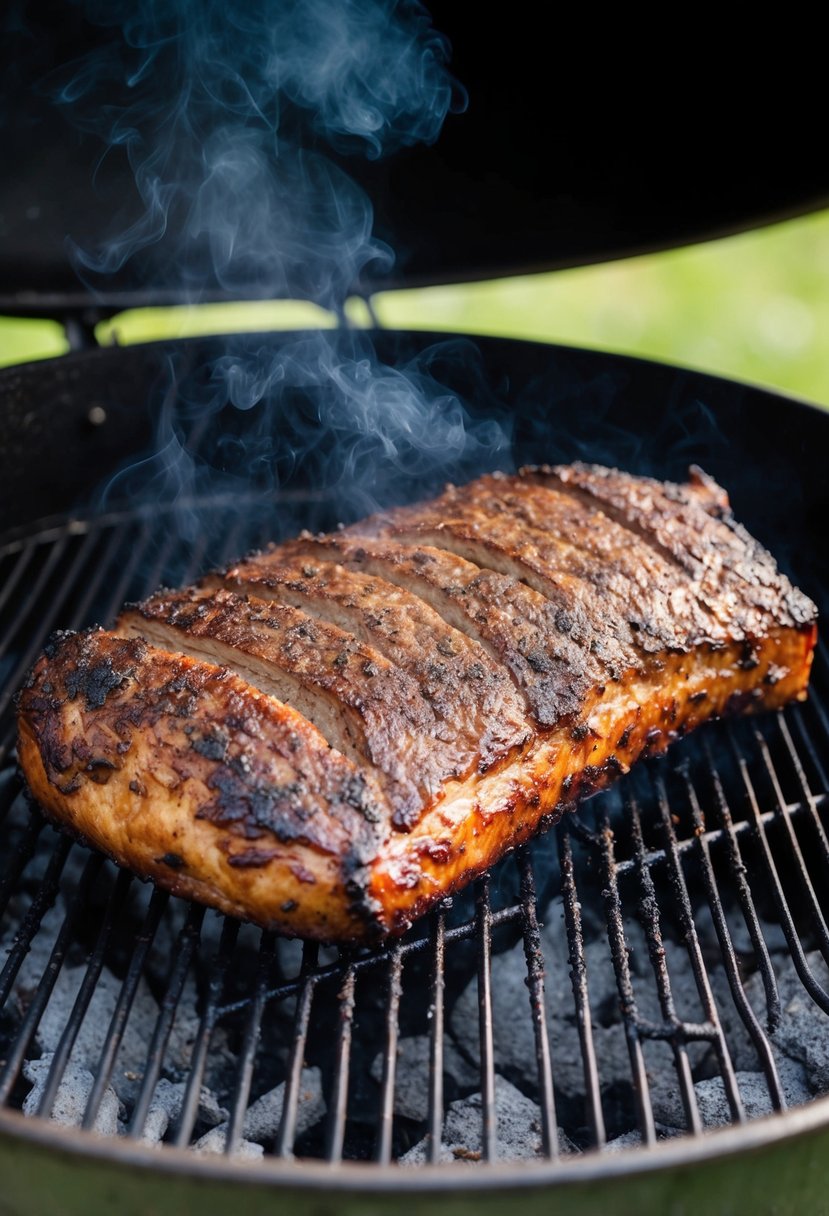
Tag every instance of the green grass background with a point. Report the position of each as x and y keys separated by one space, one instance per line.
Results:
x=753 y=307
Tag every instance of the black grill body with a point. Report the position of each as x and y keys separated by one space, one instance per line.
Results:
x=645 y=955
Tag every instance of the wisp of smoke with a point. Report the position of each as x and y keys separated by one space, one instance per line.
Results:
x=233 y=114
x=238 y=118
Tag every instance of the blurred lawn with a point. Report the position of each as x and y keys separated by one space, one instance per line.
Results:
x=754 y=307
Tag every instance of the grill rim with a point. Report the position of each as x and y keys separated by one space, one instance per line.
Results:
x=718 y=1144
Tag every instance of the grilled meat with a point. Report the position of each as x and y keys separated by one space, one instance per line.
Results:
x=332 y=735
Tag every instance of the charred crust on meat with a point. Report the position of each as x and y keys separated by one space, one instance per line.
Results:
x=655 y=739
x=99 y=769
x=600 y=639
x=242 y=803
x=356 y=879
x=251 y=858
x=355 y=793
x=94 y=681
x=748 y=658
x=56 y=640
x=538 y=660
x=69 y=787
x=212 y=745
x=624 y=738
x=564 y=622
x=173 y=861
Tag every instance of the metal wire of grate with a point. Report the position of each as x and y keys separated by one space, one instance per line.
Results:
x=626 y=978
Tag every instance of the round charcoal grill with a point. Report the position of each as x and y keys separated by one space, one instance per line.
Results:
x=603 y=1019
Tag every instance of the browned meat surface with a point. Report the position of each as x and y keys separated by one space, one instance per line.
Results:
x=692 y=525
x=473 y=699
x=366 y=706
x=188 y=775
x=520 y=629
x=339 y=731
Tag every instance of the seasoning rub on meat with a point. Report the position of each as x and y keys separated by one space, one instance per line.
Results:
x=333 y=734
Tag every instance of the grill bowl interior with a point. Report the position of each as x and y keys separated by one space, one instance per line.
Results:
x=624 y=976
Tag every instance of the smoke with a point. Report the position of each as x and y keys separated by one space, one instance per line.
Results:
x=235 y=117
x=314 y=427
x=239 y=118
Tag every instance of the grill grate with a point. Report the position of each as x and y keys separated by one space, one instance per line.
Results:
x=616 y=977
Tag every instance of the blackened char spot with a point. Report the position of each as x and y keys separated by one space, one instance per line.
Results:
x=539 y=662
x=55 y=640
x=70 y=787
x=244 y=803
x=177 y=697
x=94 y=682
x=564 y=622
x=356 y=884
x=748 y=658
x=355 y=794
x=212 y=746
x=624 y=738
x=173 y=860
x=249 y=859
x=100 y=769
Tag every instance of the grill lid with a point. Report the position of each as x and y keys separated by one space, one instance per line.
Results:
x=576 y=146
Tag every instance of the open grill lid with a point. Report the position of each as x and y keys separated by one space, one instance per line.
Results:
x=576 y=146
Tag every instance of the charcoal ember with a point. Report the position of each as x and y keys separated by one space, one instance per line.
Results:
x=95 y=1026
x=712 y=1100
x=801 y=1034
x=512 y=1021
x=663 y=1084
x=618 y=1144
x=165 y=1108
x=771 y=931
x=262 y=1118
x=633 y=1138
x=71 y=1097
x=185 y=1028
x=36 y=959
x=411 y=1081
x=518 y=1124
x=741 y=1046
x=513 y=1031
x=244 y=1149
x=611 y=1051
